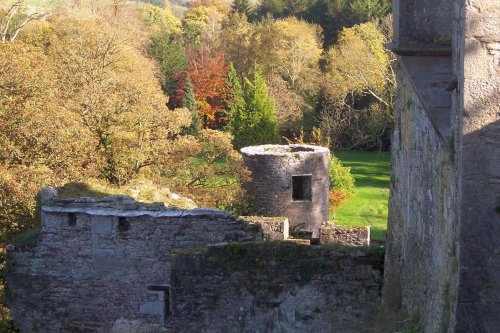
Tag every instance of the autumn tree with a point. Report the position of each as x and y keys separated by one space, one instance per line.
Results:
x=289 y=51
x=287 y=47
x=331 y=15
x=37 y=136
x=208 y=74
x=14 y=18
x=222 y=6
x=359 y=89
x=238 y=44
x=159 y=19
x=293 y=49
x=157 y=3
x=193 y=24
x=288 y=106
x=36 y=130
x=214 y=178
x=113 y=88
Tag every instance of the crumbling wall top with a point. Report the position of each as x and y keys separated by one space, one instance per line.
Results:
x=119 y=206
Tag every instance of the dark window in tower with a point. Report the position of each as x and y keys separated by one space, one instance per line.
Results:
x=301 y=188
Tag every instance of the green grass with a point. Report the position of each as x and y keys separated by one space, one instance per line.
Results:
x=371 y=171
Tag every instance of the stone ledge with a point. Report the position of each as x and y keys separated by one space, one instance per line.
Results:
x=136 y=213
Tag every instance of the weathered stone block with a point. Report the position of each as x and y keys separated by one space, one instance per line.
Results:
x=348 y=236
x=102 y=225
x=273 y=228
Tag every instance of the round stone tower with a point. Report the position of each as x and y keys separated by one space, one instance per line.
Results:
x=291 y=181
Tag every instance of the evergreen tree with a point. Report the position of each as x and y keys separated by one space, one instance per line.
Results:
x=361 y=11
x=189 y=102
x=262 y=125
x=171 y=56
x=252 y=116
x=242 y=7
x=236 y=107
x=275 y=8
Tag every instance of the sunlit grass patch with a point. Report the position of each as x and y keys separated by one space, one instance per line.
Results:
x=371 y=171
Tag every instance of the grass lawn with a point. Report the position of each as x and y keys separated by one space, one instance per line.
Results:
x=371 y=171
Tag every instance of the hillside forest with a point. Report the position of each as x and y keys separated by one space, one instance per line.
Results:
x=157 y=97
x=154 y=98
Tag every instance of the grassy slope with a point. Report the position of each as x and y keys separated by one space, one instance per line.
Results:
x=369 y=205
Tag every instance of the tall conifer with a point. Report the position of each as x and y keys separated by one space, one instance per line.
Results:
x=242 y=7
x=261 y=108
x=189 y=102
x=236 y=107
x=253 y=120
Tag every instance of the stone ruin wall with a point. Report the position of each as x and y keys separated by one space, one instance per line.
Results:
x=275 y=288
x=114 y=265
x=95 y=260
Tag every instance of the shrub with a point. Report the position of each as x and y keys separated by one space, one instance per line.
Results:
x=18 y=188
x=341 y=182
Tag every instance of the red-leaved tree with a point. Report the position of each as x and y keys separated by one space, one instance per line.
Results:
x=207 y=72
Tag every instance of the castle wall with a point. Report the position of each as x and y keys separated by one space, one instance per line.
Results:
x=271 y=187
x=274 y=287
x=95 y=261
x=444 y=212
x=478 y=50
x=421 y=257
x=420 y=23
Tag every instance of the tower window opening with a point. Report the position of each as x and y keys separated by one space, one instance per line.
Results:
x=301 y=188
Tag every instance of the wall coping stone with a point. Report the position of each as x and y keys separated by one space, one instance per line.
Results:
x=137 y=213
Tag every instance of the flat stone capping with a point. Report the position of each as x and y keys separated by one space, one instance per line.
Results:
x=349 y=236
x=135 y=213
x=284 y=150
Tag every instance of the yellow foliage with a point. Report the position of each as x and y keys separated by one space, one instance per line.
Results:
x=291 y=48
x=159 y=19
x=358 y=61
x=114 y=89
